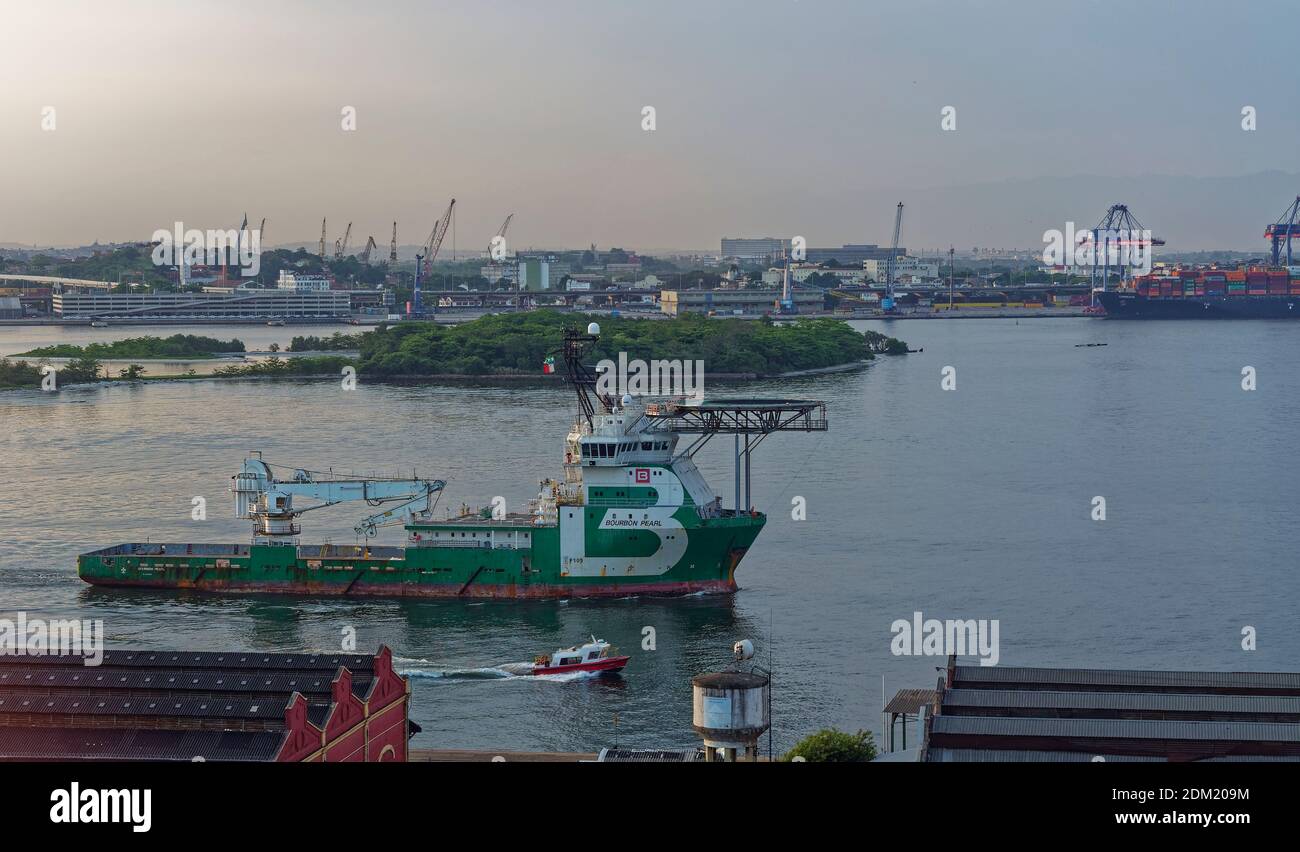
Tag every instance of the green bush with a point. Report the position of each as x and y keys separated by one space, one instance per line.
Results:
x=831 y=745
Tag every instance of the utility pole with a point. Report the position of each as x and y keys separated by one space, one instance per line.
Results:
x=951 y=252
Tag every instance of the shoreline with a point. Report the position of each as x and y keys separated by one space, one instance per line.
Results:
x=456 y=378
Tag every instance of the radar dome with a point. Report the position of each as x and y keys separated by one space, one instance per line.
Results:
x=744 y=649
x=593 y=328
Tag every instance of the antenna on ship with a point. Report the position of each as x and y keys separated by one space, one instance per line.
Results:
x=581 y=376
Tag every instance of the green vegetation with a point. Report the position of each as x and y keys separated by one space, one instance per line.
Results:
x=176 y=346
x=500 y=345
x=519 y=343
x=309 y=366
x=831 y=745
x=333 y=343
x=19 y=374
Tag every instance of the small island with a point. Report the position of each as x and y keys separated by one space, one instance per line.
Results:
x=502 y=346
x=516 y=345
x=185 y=346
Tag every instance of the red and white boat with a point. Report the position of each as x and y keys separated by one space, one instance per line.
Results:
x=594 y=656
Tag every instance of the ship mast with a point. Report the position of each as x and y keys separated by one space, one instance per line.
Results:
x=582 y=377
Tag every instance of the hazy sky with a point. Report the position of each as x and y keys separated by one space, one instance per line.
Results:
x=810 y=117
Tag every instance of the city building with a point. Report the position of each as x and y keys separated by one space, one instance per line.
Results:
x=761 y=248
x=775 y=276
x=301 y=281
x=737 y=302
x=909 y=268
x=852 y=254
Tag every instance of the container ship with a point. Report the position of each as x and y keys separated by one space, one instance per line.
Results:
x=1208 y=293
x=632 y=514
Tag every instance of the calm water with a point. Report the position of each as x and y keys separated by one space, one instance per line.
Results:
x=973 y=503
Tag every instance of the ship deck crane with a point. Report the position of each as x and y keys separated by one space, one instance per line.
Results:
x=1281 y=232
x=268 y=500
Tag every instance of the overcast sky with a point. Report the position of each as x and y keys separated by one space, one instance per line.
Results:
x=774 y=117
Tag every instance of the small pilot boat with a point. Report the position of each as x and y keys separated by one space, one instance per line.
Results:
x=594 y=656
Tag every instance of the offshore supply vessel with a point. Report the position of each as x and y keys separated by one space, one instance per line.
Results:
x=631 y=515
x=1208 y=293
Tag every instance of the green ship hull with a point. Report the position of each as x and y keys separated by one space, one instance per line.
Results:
x=472 y=558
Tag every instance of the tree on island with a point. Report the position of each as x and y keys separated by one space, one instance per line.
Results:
x=131 y=373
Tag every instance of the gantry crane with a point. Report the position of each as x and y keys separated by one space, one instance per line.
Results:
x=1118 y=227
x=268 y=501
x=1281 y=232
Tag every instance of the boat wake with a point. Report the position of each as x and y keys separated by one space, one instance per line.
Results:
x=505 y=671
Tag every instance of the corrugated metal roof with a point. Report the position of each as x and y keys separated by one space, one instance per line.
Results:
x=1153 y=701
x=119 y=744
x=1145 y=729
x=97 y=704
x=205 y=660
x=910 y=701
x=1128 y=678
x=314 y=682
x=985 y=755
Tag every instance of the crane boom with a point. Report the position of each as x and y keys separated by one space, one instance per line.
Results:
x=392 y=249
x=436 y=238
x=322 y=239
x=268 y=501
x=342 y=245
x=365 y=253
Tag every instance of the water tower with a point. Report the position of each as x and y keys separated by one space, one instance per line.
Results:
x=732 y=709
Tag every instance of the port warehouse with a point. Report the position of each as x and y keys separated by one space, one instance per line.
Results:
x=236 y=304
x=204 y=705
x=1008 y=713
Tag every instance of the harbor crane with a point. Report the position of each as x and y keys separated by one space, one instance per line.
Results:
x=268 y=500
x=322 y=239
x=501 y=235
x=1281 y=232
x=392 y=249
x=365 y=253
x=341 y=245
x=435 y=239
x=887 y=303
x=1121 y=229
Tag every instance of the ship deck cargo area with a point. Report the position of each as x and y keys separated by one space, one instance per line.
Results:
x=224 y=551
